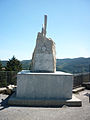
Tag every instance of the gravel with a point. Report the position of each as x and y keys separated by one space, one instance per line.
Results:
x=40 y=113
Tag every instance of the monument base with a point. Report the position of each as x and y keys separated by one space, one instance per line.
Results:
x=44 y=89
x=45 y=86
x=74 y=102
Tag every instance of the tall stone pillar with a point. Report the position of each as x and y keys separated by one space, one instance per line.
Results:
x=44 y=55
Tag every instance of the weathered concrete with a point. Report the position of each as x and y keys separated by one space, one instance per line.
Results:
x=44 y=85
x=44 y=55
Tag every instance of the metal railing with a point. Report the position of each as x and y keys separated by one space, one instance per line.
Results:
x=79 y=79
x=7 y=78
x=10 y=77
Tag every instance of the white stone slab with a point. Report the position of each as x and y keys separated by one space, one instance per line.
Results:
x=57 y=73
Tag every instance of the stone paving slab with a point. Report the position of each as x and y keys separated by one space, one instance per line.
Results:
x=38 y=113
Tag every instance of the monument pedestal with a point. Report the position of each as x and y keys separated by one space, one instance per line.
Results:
x=44 y=89
x=56 y=85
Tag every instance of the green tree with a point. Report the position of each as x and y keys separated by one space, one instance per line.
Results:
x=0 y=66
x=13 y=65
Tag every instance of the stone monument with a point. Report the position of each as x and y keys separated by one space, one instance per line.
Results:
x=43 y=85
x=44 y=55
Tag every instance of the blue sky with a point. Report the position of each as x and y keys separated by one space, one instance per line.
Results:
x=68 y=25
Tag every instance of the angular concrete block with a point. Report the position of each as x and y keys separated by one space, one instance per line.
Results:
x=44 y=85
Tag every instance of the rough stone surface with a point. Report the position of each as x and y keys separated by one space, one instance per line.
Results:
x=44 y=85
x=44 y=55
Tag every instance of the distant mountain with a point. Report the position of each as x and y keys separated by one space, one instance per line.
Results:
x=4 y=62
x=25 y=64
x=75 y=65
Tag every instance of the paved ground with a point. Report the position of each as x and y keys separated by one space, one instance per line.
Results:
x=37 y=113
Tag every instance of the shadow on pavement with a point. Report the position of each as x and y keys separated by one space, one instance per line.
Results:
x=4 y=103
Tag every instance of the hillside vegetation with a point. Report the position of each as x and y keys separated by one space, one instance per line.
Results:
x=76 y=65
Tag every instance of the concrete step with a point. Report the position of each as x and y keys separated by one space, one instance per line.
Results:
x=14 y=100
x=78 y=89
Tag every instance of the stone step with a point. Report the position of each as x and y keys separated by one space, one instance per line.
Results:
x=74 y=102
x=78 y=89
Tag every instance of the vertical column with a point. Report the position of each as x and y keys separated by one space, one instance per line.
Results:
x=45 y=24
